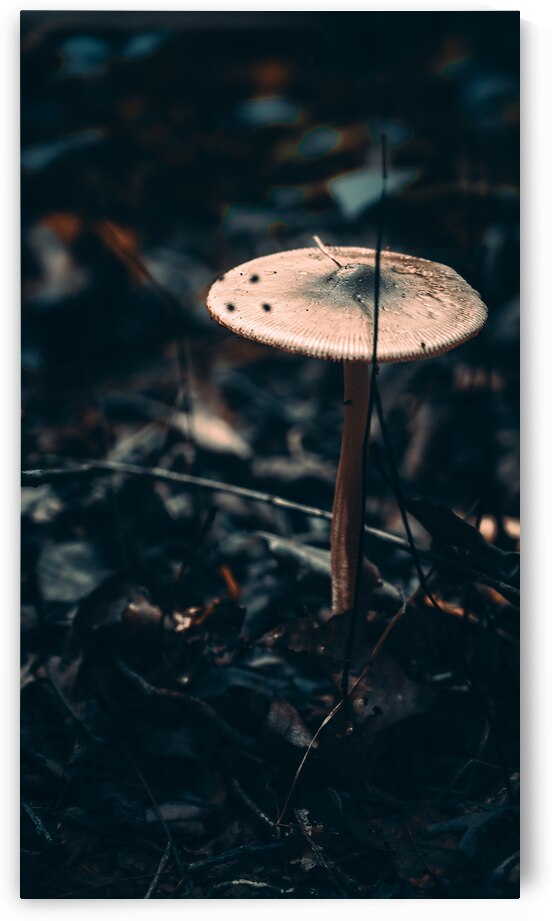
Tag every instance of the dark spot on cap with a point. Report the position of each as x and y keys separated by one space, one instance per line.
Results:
x=221 y=277
x=423 y=345
x=230 y=307
x=267 y=307
x=254 y=278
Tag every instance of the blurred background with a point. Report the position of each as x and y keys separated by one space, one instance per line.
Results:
x=208 y=139
x=159 y=150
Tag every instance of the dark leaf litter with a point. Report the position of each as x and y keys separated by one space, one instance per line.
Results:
x=177 y=664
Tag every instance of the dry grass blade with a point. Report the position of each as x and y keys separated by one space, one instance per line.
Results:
x=162 y=863
x=335 y=710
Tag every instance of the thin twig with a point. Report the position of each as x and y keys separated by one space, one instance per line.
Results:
x=236 y=853
x=188 y=702
x=473 y=683
x=92 y=468
x=335 y=710
x=37 y=822
x=326 y=251
x=162 y=863
x=248 y=802
x=317 y=851
x=254 y=886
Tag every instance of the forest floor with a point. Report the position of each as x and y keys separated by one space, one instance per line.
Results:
x=179 y=657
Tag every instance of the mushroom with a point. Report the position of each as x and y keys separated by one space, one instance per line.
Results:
x=320 y=302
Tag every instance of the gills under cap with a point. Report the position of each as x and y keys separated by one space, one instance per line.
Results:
x=322 y=304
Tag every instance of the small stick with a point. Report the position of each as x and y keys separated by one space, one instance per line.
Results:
x=37 y=822
x=162 y=863
x=326 y=251
x=335 y=710
x=244 y=850
x=248 y=802
x=317 y=851
x=80 y=470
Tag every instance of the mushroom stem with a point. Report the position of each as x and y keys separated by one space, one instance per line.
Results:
x=348 y=505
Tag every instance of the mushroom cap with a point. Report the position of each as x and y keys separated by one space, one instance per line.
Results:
x=302 y=301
